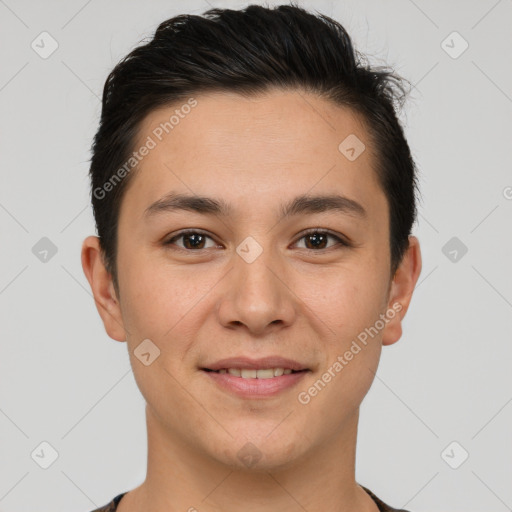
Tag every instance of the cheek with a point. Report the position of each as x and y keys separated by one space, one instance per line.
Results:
x=346 y=309
x=347 y=303
x=347 y=299
x=168 y=305
x=154 y=295
x=157 y=306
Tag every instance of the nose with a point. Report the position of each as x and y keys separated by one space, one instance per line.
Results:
x=256 y=296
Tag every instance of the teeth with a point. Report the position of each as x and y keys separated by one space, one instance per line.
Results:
x=266 y=373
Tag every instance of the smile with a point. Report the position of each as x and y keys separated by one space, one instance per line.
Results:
x=251 y=373
x=251 y=383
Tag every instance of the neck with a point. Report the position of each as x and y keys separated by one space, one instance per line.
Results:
x=179 y=477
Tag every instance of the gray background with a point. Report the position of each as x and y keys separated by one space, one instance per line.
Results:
x=64 y=381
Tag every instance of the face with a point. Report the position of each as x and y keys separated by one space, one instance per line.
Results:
x=312 y=286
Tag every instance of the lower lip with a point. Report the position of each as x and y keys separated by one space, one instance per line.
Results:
x=255 y=388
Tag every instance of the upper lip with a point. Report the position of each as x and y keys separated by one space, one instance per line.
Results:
x=256 y=364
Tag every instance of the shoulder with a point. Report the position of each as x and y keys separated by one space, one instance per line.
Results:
x=383 y=507
x=111 y=506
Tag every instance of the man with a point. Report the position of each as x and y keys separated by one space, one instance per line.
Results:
x=254 y=195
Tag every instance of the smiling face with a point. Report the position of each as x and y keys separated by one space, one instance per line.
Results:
x=249 y=280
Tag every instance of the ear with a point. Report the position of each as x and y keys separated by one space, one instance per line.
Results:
x=401 y=289
x=102 y=288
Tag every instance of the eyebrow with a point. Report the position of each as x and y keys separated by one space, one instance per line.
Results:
x=302 y=204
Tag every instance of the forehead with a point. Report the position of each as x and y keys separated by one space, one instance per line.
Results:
x=238 y=147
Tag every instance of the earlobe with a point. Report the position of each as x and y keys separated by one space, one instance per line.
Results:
x=402 y=288
x=102 y=289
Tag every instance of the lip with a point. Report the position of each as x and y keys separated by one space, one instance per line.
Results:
x=256 y=364
x=255 y=388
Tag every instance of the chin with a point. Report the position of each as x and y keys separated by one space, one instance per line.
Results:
x=264 y=456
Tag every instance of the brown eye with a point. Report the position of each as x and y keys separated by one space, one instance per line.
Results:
x=315 y=240
x=318 y=240
x=192 y=240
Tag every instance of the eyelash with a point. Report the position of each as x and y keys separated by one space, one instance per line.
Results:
x=341 y=241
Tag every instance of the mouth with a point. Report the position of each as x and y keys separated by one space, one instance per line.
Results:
x=254 y=384
x=251 y=373
x=246 y=377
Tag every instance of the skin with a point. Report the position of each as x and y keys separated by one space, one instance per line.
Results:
x=294 y=300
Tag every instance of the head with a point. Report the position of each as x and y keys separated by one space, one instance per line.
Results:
x=252 y=114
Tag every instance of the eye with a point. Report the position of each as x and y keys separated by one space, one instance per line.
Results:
x=193 y=240
x=317 y=238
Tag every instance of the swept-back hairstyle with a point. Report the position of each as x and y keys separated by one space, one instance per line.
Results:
x=249 y=51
